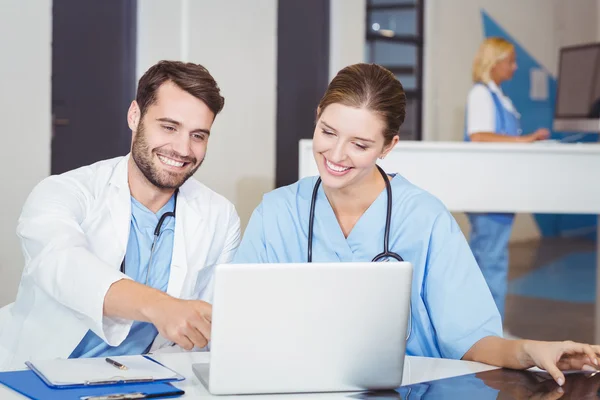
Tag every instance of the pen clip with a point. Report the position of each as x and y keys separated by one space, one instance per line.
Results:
x=100 y=382
x=118 y=396
x=137 y=380
x=117 y=380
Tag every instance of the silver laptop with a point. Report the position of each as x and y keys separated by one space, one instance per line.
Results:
x=319 y=327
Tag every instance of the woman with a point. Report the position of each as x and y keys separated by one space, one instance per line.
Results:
x=492 y=117
x=453 y=313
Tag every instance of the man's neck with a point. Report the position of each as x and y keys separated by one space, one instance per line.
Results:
x=144 y=191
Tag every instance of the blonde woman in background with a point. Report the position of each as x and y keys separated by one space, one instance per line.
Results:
x=492 y=117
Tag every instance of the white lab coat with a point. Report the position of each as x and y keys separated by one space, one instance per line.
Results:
x=74 y=230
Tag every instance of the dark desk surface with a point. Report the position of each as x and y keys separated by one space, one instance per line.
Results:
x=501 y=384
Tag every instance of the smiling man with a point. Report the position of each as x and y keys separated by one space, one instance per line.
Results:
x=119 y=255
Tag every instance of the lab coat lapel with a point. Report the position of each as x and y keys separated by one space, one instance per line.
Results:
x=119 y=206
x=186 y=219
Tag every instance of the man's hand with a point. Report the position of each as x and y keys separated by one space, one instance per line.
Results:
x=185 y=322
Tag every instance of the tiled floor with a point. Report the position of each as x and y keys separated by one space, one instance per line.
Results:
x=552 y=290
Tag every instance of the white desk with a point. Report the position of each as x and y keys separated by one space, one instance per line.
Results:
x=496 y=177
x=416 y=369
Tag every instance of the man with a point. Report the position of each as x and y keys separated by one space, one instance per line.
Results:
x=103 y=274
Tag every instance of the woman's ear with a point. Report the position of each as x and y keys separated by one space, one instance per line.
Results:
x=387 y=148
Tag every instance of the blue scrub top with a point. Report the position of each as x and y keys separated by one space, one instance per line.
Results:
x=141 y=236
x=451 y=305
x=507 y=123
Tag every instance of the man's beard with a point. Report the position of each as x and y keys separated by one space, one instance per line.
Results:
x=142 y=155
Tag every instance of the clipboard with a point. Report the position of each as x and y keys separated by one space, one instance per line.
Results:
x=27 y=383
x=86 y=372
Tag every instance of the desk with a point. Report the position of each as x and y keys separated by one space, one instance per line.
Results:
x=416 y=369
x=555 y=178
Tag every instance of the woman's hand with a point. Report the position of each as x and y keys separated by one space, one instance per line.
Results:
x=555 y=357
x=541 y=134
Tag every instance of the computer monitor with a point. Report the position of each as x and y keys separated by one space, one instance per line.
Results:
x=578 y=94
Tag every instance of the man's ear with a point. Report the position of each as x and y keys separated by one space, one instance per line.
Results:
x=133 y=116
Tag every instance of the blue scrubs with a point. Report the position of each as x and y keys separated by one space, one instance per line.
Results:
x=141 y=236
x=451 y=305
x=490 y=232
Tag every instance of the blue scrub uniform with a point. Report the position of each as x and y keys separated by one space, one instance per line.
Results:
x=451 y=306
x=490 y=232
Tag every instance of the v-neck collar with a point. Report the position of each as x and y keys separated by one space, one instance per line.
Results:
x=326 y=221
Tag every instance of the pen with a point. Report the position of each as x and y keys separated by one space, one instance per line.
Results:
x=115 y=363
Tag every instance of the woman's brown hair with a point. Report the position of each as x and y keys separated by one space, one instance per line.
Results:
x=369 y=86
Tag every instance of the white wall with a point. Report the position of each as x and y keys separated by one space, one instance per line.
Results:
x=347 y=19
x=237 y=41
x=598 y=20
x=25 y=71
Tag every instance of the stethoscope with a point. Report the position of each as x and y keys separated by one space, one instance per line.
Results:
x=383 y=256
x=156 y=235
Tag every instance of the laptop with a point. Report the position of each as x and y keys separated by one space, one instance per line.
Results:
x=318 y=327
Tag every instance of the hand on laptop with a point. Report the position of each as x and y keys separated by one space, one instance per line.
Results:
x=185 y=322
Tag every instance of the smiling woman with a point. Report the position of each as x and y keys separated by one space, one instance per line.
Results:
x=453 y=314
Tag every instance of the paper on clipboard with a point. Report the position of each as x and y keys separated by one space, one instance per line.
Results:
x=96 y=371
